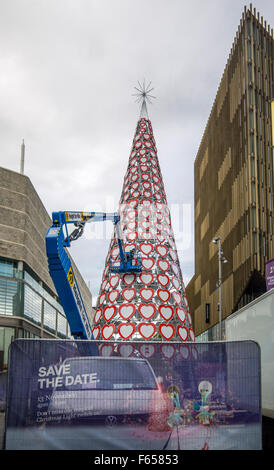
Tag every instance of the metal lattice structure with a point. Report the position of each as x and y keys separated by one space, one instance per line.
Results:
x=150 y=305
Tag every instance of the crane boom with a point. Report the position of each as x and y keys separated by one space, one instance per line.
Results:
x=61 y=270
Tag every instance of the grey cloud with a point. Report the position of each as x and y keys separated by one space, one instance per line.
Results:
x=68 y=69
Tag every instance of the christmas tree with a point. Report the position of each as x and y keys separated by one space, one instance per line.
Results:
x=151 y=304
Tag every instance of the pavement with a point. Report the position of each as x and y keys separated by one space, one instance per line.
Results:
x=125 y=437
x=48 y=439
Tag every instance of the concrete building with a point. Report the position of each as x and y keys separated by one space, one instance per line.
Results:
x=29 y=306
x=233 y=179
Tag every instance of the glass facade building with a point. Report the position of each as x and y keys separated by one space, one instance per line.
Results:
x=23 y=297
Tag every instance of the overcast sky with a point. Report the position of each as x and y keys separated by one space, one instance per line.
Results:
x=68 y=71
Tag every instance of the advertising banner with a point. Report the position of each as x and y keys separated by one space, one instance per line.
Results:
x=269 y=274
x=102 y=395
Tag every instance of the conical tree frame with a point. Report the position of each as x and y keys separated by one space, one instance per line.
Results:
x=150 y=305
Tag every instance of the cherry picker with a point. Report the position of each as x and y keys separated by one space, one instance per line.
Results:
x=60 y=267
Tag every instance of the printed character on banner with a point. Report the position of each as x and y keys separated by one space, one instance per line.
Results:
x=204 y=416
x=176 y=417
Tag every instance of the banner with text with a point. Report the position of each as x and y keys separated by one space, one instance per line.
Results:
x=106 y=395
x=269 y=274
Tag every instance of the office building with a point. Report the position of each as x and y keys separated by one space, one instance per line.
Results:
x=233 y=180
x=29 y=306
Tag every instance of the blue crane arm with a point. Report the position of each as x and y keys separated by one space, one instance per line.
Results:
x=62 y=273
x=61 y=270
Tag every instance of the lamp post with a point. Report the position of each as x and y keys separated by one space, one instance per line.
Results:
x=221 y=259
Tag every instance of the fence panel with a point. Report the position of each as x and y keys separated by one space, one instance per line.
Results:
x=119 y=395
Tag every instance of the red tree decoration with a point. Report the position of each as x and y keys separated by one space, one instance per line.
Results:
x=150 y=305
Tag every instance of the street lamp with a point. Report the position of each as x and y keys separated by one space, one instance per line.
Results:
x=221 y=260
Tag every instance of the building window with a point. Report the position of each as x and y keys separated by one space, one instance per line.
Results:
x=6 y=268
x=266 y=107
x=249 y=73
x=260 y=98
x=254 y=243
x=49 y=317
x=9 y=297
x=6 y=336
x=249 y=49
x=252 y=167
x=268 y=154
x=207 y=313
x=251 y=144
x=32 y=305
x=61 y=325
x=253 y=192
